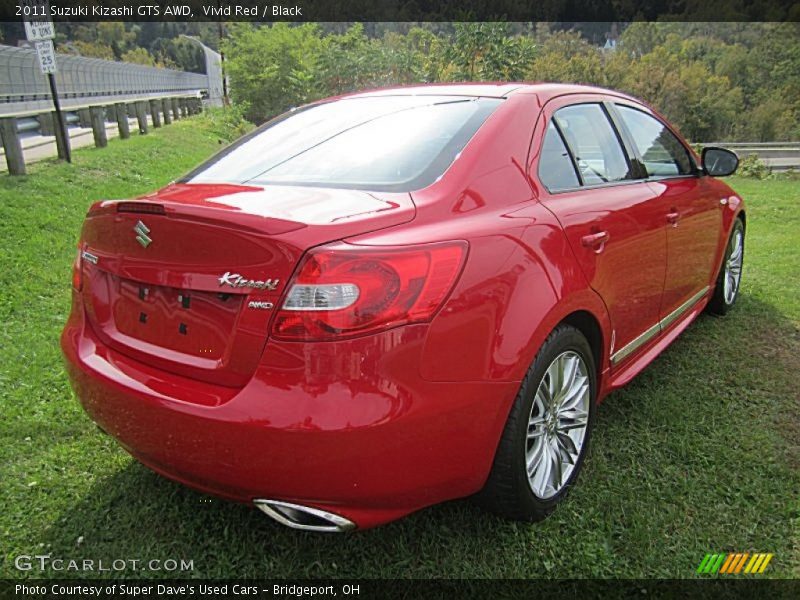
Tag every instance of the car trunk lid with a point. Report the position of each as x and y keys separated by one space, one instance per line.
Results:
x=185 y=279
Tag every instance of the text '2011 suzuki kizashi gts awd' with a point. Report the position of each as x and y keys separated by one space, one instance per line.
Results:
x=386 y=300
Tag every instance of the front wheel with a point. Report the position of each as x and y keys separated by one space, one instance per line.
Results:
x=547 y=433
x=730 y=275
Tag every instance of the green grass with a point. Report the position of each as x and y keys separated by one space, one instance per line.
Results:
x=699 y=454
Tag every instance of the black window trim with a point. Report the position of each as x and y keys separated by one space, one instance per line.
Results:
x=612 y=107
x=570 y=153
x=626 y=139
x=621 y=139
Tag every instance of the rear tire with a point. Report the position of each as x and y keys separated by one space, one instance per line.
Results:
x=726 y=290
x=549 y=424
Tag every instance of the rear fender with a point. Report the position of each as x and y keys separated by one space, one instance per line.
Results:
x=497 y=318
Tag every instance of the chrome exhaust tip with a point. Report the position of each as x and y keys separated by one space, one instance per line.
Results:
x=303 y=517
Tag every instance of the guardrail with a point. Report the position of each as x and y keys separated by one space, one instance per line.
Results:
x=80 y=80
x=778 y=156
x=95 y=116
x=92 y=93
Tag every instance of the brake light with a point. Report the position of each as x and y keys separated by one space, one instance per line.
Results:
x=140 y=207
x=77 y=272
x=344 y=290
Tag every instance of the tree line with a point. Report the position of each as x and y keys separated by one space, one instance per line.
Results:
x=715 y=81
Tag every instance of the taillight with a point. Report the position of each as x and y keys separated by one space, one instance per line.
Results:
x=344 y=290
x=77 y=271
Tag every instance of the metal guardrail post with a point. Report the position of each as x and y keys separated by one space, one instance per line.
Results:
x=99 y=126
x=62 y=142
x=84 y=117
x=47 y=123
x=11 y=144
x=121 y=112
x=154 y=113
x=141 y=116
x=165 y=110
x=176 y=111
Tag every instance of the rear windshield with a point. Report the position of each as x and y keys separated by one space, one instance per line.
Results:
x=391 y=143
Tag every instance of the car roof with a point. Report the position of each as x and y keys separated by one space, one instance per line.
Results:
x=488 y=90
x=545 y=91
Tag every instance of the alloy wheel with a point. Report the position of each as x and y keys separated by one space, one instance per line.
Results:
x=733 y=266
x=557 y=424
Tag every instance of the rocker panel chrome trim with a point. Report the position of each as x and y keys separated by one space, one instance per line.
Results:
x=651 y=332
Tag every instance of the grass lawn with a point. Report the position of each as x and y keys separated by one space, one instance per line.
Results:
x=699 y=454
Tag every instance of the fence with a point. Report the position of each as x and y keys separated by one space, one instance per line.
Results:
x=93 y=92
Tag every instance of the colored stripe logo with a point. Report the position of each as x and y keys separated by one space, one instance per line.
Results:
x=734 y=563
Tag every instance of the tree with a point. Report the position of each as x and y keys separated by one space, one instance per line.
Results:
x=486 y=52
x=566 y=57
x=271 y=68
x=139 y=56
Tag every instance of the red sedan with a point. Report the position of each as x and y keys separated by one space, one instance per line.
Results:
x=386 y=300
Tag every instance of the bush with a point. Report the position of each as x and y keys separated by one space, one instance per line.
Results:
x=228 y=123
x=753 y=167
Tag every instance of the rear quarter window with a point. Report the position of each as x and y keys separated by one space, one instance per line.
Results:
x=556 y=170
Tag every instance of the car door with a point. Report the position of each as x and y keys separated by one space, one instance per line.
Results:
x=693 y=219
x=613 y=219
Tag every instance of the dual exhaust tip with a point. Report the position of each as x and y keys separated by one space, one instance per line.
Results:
x=305 y=518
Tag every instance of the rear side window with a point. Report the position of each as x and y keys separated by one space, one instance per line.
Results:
x=663 y=155
x=387 y=143
x=594 y=144
x=556 y=170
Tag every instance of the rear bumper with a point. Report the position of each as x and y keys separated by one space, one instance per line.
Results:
x=347 y=427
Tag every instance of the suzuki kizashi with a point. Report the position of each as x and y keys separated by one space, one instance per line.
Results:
x=382 y=301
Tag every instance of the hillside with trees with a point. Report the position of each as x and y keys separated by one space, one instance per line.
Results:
x=715 y=81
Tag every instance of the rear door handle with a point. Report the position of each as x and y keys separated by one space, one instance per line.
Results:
x=595 y=240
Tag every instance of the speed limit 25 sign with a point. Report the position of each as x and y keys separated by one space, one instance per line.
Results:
x=47 y=56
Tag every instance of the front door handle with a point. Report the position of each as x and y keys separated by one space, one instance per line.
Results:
x=595 y=240
x=673 y=217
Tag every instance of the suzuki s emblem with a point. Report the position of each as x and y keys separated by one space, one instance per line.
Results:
x=141 y=231
x=237 y=281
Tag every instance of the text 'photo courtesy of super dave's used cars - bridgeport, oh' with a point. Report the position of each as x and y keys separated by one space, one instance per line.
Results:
x=382 y=301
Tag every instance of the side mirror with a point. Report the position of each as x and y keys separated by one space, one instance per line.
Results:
x=719 y=162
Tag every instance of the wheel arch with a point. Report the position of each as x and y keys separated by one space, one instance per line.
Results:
x=585 y=322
